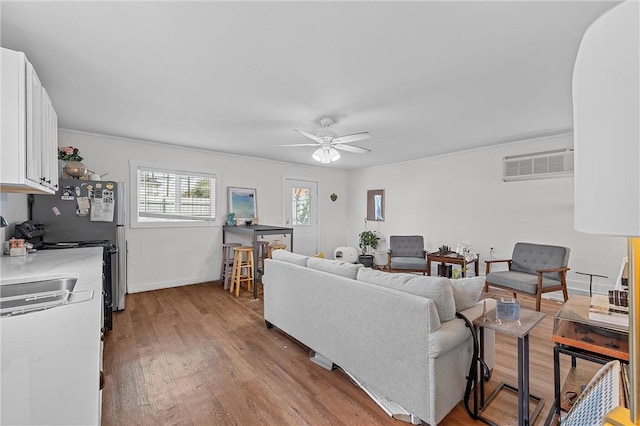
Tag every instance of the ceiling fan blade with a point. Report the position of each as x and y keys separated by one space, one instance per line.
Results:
x=352 y=138
x=351 y=148
x=309 y=135
x=300 y=144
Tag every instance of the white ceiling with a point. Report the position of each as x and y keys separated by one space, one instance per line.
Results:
x=424 y=78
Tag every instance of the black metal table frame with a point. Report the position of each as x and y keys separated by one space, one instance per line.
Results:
x=524 y=417
x=257 y=231
x=574 y=353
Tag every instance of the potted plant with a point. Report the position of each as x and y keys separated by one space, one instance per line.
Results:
x=369 y=241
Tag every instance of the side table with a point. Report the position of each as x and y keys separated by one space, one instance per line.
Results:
x=528 y=320
x=453 y=259
x=578 y=337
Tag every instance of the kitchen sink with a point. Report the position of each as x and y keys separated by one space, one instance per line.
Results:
x=21 y=298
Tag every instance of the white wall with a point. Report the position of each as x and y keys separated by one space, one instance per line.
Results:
x=461 y=196
x=166 y=257
x=446 y=199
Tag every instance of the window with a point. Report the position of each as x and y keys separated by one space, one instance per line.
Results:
x=300 y=203
x=165 y=196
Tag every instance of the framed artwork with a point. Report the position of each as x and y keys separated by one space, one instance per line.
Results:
x=243 y=202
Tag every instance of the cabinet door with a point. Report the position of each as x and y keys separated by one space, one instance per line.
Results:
x=49 y=146
x=34 y=126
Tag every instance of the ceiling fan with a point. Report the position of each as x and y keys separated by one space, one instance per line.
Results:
x=328 y=142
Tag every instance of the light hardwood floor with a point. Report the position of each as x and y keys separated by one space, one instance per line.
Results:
x=196 y=355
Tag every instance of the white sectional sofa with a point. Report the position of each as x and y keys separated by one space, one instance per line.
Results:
x=396 y=334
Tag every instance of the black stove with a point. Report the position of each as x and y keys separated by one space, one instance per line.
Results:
x=108 y=269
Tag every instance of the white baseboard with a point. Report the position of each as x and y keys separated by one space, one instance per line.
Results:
x=139 y=288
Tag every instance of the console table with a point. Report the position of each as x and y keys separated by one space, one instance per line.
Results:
x=454 y=259
x=578 y=337
x=255 y=231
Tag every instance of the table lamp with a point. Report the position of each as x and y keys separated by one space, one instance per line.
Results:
x=606 y=120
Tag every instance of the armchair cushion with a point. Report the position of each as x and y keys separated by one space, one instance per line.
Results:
x=529 y=258
x=521 y=281
x=408 y=263
x=406 y=246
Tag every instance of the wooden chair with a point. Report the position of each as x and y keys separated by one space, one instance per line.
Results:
x=276 y=246
x=406 y=254
x=242 y=269
x=227 y=263
x=533 y=269
x=599 y=397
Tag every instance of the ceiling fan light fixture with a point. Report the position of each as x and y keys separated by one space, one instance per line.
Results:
x=326 y=155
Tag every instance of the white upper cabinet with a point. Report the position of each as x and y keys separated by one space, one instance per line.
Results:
x=29 y=145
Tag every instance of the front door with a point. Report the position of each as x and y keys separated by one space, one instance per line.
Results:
x=301 y=213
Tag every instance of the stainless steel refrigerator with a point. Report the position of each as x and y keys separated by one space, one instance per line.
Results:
x=85 y=213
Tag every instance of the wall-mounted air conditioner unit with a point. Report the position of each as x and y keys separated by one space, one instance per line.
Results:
x=538 y=165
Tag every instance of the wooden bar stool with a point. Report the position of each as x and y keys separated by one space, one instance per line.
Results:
x=242 y=268
x=263 y=253
x=227 y=263
x=273 y=247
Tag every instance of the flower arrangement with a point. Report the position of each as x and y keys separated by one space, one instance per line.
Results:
x=68 y=153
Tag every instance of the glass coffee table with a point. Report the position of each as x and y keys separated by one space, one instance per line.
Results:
x=578 y=337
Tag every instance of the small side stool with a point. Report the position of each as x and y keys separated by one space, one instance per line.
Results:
x=227 y=263
x=273 y=247
x=242 y=269
x=263 y=253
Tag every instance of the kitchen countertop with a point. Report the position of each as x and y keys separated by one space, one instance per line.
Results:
x=51 y=359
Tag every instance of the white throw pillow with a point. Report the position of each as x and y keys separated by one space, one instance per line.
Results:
x=467 y=291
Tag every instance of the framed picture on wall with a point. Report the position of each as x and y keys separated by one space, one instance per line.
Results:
x=243 y=202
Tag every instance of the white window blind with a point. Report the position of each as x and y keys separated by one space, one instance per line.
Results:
x=175 y=195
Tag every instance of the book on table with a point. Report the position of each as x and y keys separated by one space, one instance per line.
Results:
x=611 y=309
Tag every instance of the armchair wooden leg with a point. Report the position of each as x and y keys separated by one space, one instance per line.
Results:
x=538 y=299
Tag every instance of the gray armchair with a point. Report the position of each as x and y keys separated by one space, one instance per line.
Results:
x=533 y=269
x=406 y=254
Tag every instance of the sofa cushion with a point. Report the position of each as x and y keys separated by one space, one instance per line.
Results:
x=385 y=279
x=437 y=289
x=466 y=291
x=336 y=267
x=287 y=256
